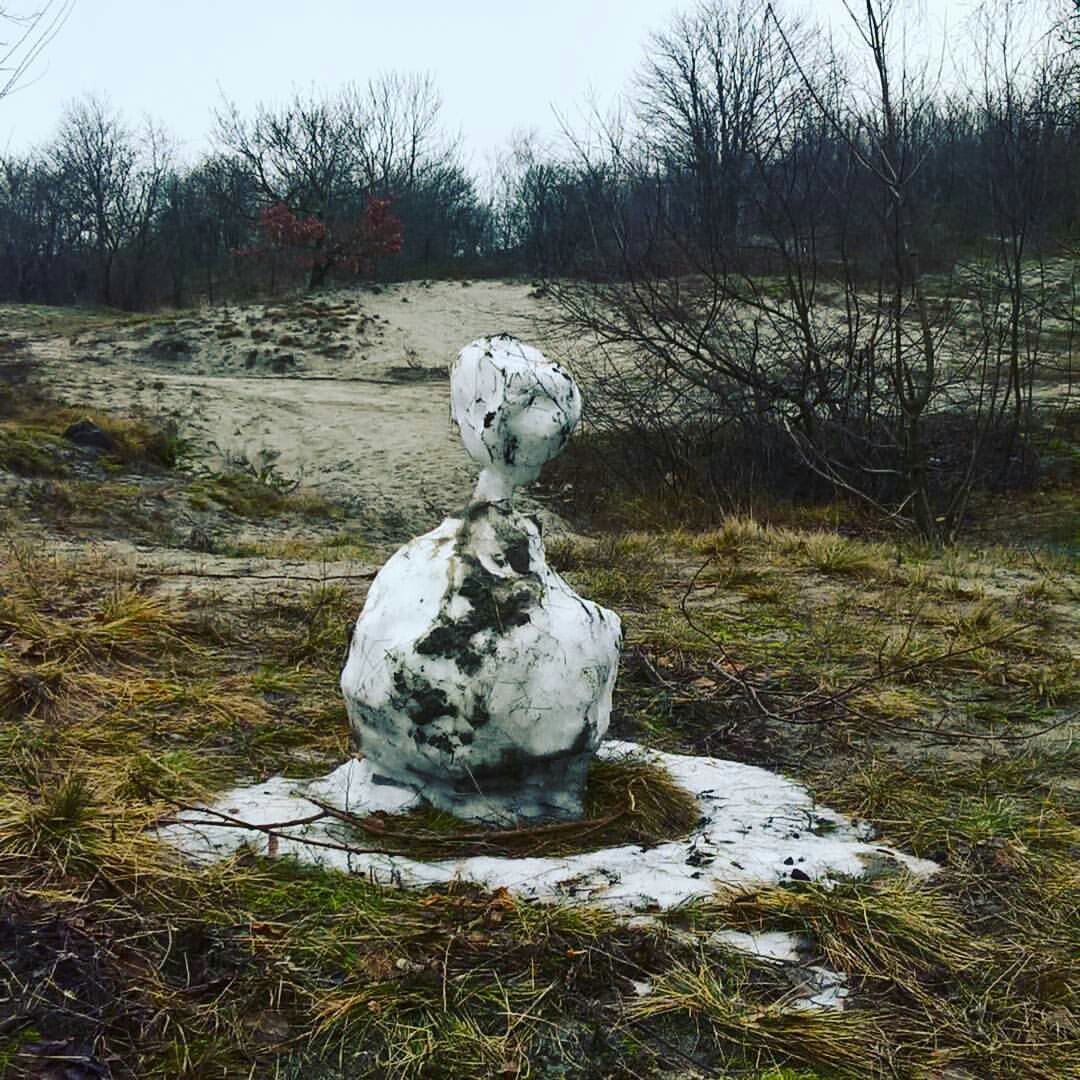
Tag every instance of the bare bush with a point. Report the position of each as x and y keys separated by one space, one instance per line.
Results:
x=769 y=313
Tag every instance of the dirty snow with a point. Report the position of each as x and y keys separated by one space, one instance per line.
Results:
x=757 y=828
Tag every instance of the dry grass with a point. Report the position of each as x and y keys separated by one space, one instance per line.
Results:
x=948 y=991
x=628 y=800
x=850 y=1044
x=42 y=320
x=32 y=424
x=258 y=498
x=617 y=570
x=139 y=488
x=115 y=701
x=339 y=546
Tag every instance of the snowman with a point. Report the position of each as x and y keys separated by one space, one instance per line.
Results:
x=476 y=677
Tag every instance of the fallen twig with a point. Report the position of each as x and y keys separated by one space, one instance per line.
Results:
x=274 y=830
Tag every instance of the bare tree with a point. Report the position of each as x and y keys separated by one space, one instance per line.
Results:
x=112 y=183
x=892 y=156
x=299 y=153
x=25 y=34
x=1068 y=24
x=395 y=132
x=767 y=313
x=325 y=157
x=705 y=93
x=403 y=153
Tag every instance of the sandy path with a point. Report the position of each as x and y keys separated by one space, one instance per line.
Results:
x=345 y=391
x=179 y=573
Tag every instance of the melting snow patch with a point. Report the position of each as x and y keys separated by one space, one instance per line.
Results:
x=776 y=945
x=813 y=986
x=756 y=828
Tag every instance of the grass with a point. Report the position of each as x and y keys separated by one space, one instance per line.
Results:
x=117 y=700
x=733 y=1015
x=617 y=570
x=45 y=320
x=628 y=800
x=258 y=498
x=339 y=546
x=835 y=555
x=132 y=489
x=32 y=425
x=902 y=622
x=944 y=810
x=138 y=488
x=949 y=993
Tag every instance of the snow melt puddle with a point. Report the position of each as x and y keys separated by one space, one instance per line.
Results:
x=756 y=828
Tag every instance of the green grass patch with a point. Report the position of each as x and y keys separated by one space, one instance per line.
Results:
x=257 y=499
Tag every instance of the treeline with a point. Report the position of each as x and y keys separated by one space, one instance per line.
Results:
x=739 y=142
x=745 y=136
x=807 y=272
x=104 y=213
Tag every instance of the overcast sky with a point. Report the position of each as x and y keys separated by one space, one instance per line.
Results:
x=501 y=65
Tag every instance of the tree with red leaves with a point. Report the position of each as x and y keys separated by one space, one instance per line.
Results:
x=313 y=245
x=281 y=228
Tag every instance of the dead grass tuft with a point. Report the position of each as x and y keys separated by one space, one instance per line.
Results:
x=620 y=571
x=258 y=498
x=32 y=426
x=852 y=1045
x=628 y=800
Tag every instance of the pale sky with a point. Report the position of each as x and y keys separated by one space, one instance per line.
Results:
x=501 y=65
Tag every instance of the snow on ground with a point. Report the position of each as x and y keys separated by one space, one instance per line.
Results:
x=757 y=828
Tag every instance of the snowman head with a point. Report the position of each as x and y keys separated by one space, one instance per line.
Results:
x=515 y=409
